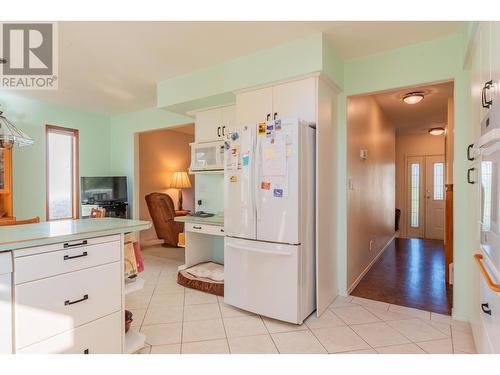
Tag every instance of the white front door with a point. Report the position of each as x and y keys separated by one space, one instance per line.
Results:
x=434 y=197
x=425 y=199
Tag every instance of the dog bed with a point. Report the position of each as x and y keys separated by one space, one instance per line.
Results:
x=207 y=277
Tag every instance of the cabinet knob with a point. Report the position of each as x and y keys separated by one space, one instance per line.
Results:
x=275 y=115
x=218 y=131
x=268 y=117
x=486 y=308
x=224 y=130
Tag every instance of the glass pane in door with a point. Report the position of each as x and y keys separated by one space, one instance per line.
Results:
x=438 y=186
x=415 y=195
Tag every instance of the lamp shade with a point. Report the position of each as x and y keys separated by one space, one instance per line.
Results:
x=180 y=180
x=12 y=136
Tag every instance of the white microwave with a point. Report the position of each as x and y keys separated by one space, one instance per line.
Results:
x=208 y=156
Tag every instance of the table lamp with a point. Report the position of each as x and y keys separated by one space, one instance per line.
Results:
x=180 y=180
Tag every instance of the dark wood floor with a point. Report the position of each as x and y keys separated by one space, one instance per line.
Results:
x=411 y=273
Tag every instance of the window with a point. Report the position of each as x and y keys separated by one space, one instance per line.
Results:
x=438 y=181
x=61 y=173
x=415 y=192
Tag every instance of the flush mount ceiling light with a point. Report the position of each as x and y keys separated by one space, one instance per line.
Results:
x=436 y=131
x=413 y=97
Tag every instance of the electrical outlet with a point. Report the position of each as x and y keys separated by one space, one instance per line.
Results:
x=370 y=246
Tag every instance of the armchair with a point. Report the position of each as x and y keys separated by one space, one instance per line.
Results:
x=162 y=211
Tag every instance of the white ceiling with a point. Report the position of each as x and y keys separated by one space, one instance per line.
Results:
x=432 y=111
x=113 y=67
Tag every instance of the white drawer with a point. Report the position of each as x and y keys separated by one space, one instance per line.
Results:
x=5 y=263
x=490 y=301
x=103 y=336
x=215 y=230
x=64 y=245
x=34 y=267
x=46 y=307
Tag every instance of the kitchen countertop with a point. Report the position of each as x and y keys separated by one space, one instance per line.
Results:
x=49 y=232
x=217 y=219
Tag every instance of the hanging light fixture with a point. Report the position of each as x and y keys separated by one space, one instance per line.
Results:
x=413 y=97
x=436 y=131
x=11 y=136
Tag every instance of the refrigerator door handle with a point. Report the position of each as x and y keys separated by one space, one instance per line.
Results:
x=288 y=253
x=256 y=179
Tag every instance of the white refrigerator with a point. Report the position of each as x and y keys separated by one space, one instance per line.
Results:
x=269 y=219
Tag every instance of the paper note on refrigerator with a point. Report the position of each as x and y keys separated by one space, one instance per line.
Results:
x=274 y=157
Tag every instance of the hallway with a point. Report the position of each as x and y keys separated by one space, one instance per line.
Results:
x=411 y=273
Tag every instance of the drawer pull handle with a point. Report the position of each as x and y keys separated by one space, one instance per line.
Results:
x=86 y=351
x=493 y=286
x=486 y=308
x=469 y=179
x=195 y=227
x=66 y=245
x=469 y=154
x=68 y=302
x=84 y=254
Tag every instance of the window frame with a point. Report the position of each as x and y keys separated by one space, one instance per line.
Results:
x=75 y=212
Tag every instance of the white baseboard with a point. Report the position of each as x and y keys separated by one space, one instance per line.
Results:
x=360 y=277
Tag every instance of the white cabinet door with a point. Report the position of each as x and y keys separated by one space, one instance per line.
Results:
x=485 y=61
x=296 y=99
x=208 y=125
x=6 y=313
x=253 y=107
x=495 y=55
x=228 y=115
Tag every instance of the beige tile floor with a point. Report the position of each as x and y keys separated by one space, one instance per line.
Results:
x=180 y=320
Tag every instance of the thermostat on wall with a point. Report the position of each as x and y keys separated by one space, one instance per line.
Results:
x=363 y=154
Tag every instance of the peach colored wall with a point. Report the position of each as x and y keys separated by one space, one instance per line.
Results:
x=162 y=152
x=371 y=192
x=412 y=145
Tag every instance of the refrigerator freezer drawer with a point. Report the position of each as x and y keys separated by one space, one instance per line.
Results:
x=263 y=278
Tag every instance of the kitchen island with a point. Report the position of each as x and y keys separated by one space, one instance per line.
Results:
x=62 y=286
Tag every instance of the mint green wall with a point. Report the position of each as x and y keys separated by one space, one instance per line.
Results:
x=123 y=129
x=434 y=61
x=29 y=162
x=215 y=85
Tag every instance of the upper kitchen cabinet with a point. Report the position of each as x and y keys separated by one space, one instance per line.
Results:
x=495 y=54
x=485 y=66
x=213 y=124
x=254 y=106
x=296 y=99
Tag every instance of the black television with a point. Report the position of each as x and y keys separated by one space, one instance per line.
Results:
x=103 y=189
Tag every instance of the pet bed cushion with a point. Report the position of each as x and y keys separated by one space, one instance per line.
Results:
x=206 y=277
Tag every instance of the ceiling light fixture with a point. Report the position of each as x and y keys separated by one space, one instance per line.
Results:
x=436 y=131
x=413 y=97
x=11 y=136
